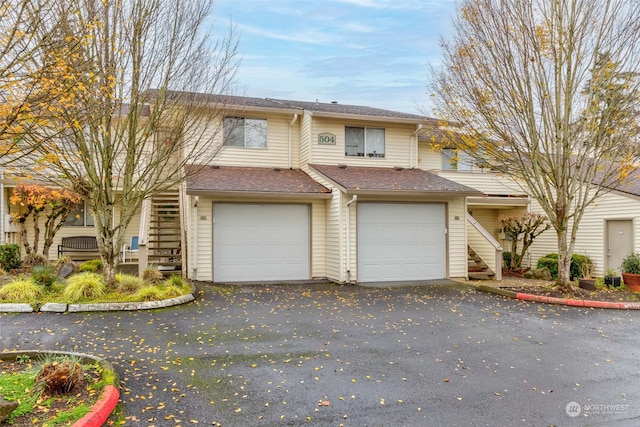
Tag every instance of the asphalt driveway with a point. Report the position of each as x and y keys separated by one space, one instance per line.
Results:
x=328 y=355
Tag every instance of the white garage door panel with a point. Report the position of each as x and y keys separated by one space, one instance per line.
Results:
x=398 y=241
x=256 y=242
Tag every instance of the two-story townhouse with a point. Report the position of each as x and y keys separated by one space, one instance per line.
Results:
x=305 y=190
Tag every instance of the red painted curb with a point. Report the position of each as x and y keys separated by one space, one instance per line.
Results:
x=98 y=415
x=578 y=302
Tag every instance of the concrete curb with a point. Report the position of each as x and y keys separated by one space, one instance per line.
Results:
x=53 y=307
x=109 y=397
x=15 y=308
x=560 y=301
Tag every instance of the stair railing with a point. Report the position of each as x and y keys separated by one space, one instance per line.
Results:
x=143 y=236
x=488 y=244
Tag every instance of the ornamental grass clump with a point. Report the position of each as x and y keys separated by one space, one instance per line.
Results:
x=148 y=293
x=84 y=285
x=127 y=283
x=152 y=275
x=60 y=375
x=21 y=290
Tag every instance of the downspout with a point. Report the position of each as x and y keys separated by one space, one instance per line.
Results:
x=293 y=120
x=194 y=251
x=414 y=146
x=353 y=199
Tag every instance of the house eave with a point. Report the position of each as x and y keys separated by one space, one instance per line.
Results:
x=369 y=118
x=258 y=194
x=400 y=193
x=498 y=201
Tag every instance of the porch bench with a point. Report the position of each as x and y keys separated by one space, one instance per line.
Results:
x=87 y=245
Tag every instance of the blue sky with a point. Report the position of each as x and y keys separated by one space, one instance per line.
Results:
x=363 y=52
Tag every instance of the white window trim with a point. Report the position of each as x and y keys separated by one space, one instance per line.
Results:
x=244 y=129
x=366 y=153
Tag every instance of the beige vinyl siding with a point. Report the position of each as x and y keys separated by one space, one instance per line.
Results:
x=592 y=232
x=70 y=231
x=457 y=237
x=319 y=239
x=398 y=141
x=277 y=152
x=488 y=219
x=334 y=231
x=429 y=159
x=201 y=253
x=306 y=122
x=489 y=183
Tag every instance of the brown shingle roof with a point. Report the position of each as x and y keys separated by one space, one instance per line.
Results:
x=251 y=180
x=357 y=179
x=327 y=109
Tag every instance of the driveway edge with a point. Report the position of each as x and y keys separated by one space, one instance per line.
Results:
x=560 y=301
x=109 y=397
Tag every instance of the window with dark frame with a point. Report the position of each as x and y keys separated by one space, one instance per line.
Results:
x=364 y=141
x=79 y=217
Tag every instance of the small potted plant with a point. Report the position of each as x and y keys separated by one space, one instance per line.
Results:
x=631 y=271
x=587 y=282
x=611 y=278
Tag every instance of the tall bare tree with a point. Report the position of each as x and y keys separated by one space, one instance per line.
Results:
x=131 y=119
x=546 y=91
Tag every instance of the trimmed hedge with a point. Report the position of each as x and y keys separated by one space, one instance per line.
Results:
x=550 y=261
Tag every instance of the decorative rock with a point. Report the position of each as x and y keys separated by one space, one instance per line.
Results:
x=66 y=270
x=538 y=273
x=6 y=408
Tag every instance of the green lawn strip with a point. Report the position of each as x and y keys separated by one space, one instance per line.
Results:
x=21 y=386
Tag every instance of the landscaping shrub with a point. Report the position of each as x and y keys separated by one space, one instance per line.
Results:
x=90 y=266
x=20 y=290
x=10 y=256
x=550 y=261
x=577 y=263
x=43 y=275
x=84 y=285
x=506 y=259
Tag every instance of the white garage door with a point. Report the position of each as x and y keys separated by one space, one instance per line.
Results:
x=260 y=242
x=401 y=241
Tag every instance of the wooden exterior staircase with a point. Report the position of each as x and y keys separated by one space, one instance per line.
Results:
x=164 y=243
x=477 y=268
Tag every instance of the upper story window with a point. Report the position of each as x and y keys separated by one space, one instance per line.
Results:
x=244 y=132
x=79 y=217
x=364 y=141
x=454 y=159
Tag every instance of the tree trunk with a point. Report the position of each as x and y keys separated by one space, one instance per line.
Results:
x=564 y=262
x=514 y=248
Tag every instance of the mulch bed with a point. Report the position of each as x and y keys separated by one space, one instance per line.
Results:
x=41 y=413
